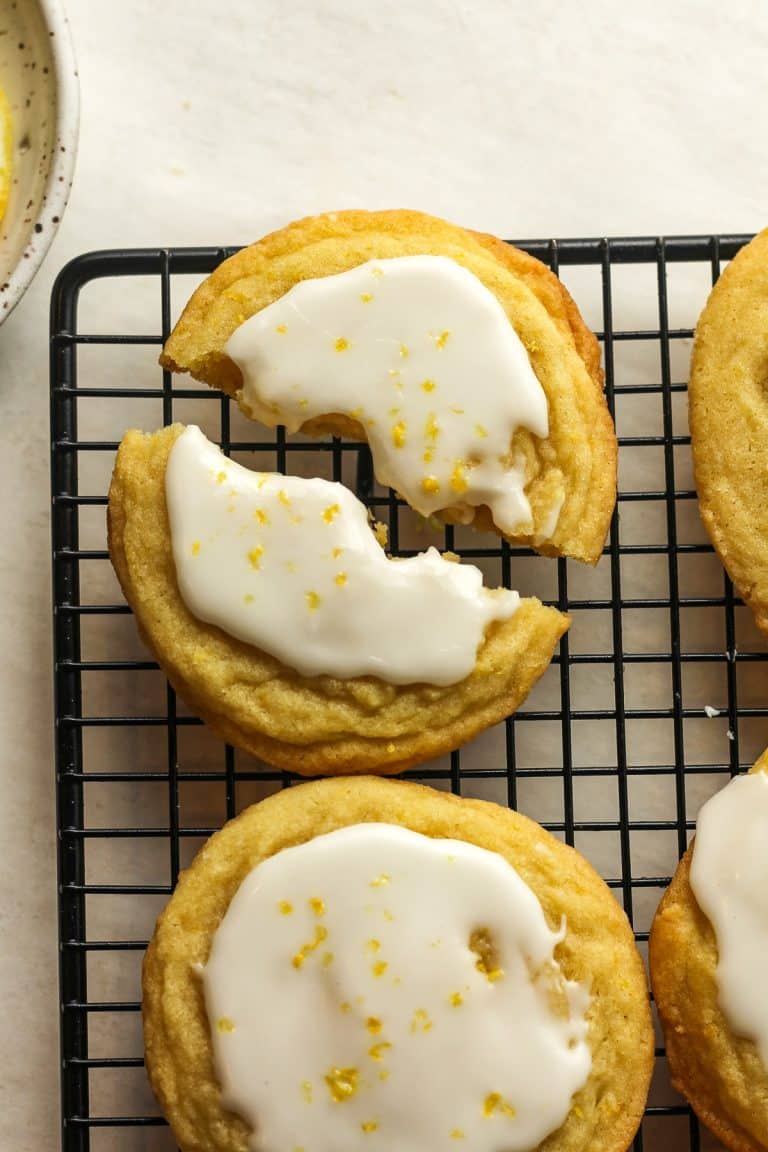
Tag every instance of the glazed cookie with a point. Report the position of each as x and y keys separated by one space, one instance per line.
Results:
x=708 y=950
x=364 y=963
x=463 y=362
x=729 y=421
x=279 y=619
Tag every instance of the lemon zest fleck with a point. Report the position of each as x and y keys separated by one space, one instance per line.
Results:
x=421 y=1020
x=321 y=934
x=342 y=1083
x=459 y=481
x=495 y=1102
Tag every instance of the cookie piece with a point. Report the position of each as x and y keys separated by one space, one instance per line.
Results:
x=310 y=724
x=721 y=1073
x=568 y=475
x=593 y=949
x=729 y=422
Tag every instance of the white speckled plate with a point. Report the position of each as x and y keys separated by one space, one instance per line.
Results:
x=39 y=76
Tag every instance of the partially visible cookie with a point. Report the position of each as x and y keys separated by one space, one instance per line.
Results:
x=394 y=1023
x=729 y=421
x=567 y=457
x=311 y=724
x=721 y=1072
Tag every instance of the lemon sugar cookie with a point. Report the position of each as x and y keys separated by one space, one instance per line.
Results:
x=729 y=421
x=462 y=361
x=708 y=951
x=368 y=963
x=279 y=619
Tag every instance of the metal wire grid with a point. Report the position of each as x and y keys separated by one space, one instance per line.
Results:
x=90 y=1051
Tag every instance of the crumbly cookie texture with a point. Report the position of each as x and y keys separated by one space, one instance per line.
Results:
x=721 y=1074
x=598 y=949
x=578 y=458
x=729 y=421
x=312 y=725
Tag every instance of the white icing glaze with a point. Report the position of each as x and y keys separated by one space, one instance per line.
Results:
x=729 y=878
x=423 y=355
x=292 y=566
x=349 y=957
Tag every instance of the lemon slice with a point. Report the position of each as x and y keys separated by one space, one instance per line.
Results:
x=6 y=138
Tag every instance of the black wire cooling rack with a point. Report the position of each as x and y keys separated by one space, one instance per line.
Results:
x=654 y=699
